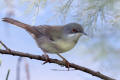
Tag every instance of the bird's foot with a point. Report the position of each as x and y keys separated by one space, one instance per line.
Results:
x=67 y=64
x=46 y=57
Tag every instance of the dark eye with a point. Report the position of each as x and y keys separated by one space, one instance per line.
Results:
x=74 y=30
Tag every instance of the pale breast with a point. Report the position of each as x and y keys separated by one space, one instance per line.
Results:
x=64 y=45
x=57 y=46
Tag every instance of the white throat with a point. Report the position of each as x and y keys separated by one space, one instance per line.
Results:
x=74 y=37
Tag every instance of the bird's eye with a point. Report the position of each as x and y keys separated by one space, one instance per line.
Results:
x=74 y=30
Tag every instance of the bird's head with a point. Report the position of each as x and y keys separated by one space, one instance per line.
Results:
x=73 y=28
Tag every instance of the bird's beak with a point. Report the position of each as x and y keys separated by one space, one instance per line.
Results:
x=85 y=33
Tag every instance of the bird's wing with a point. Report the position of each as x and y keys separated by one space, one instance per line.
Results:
x=51 y=32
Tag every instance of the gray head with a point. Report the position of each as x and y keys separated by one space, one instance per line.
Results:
x=73 y=28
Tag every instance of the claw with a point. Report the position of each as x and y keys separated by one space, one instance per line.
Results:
x=67 y=64
x=46 y=57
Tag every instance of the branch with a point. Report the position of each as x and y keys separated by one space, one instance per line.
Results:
x=56 y=61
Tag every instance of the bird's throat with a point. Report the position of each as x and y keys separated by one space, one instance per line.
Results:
x=73 y=37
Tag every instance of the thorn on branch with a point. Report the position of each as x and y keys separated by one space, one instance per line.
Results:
x=5 y=46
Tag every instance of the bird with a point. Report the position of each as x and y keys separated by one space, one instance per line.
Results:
x=54 y=39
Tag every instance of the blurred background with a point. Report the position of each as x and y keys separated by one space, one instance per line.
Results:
x=99 y=51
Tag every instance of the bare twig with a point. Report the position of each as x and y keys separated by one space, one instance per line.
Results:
x=4 y=46
x=56 y=61
x=7 y=74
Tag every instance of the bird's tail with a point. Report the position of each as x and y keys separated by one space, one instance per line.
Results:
x=15 y=22
x=19 y=24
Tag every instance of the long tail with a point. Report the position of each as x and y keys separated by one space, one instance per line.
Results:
x=19 y=24
x=15 y=22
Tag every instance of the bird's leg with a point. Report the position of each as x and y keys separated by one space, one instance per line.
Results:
x=65 y=61
x=46 y=57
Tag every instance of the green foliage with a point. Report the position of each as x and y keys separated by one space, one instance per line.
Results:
x=64 y=9
x=33 y=4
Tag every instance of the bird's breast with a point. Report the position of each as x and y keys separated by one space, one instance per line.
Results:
x=68 y=42
x=60 y=45
x=64 y=45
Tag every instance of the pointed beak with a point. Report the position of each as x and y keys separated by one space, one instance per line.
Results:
x=85 y=33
